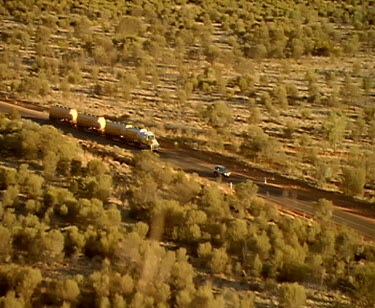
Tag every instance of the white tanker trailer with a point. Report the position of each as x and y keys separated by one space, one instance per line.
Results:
x=132 y=135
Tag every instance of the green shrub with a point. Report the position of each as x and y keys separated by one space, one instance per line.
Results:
x=257 y=144
x=364 y=284
x=280 y=94
x=63 y=166
x=214 y=204
x=42 y=34
x=218 y=114
x=353 y=181
x=235 y=235
x=93 y=187
x=34 y=185
x=246 y=84
x=182 y=275
x=34 y=86
x=10 y=196
x=324 y=243
x=91 y=212
x=49 y=162
x=314 y=93
x=204 y=297
x=219 y=261
x=11 y=300
x=352 y=44
x=245 y=193
x=129 y=26
x=334 y=128
x=255 y=113
x=8 y=177
x=68 y=290
x=185 y=189
x=204 y=252
x=100 y=281
x=323 y=210
x=247 y=300
x=141 y=229
x=139 y=200
x=184 y=297
x=22 y=279
x=44 y=246
x=5 y=243
x=75 y=241
x=97 y=168
x=292 y=295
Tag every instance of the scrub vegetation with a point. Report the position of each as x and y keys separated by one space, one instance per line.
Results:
x=286 y=86
x=203 y=73
x=79 y=230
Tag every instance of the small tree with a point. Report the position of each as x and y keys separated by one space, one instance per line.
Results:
x=334 y=128
x=257 y=144
x=219 y=260
x=50 y=161
x=10 y=196
x=280 y=95
x=218 y=114
x=129 y=26
x=314 y=92
x=11 y=300
x=364 y=284
x=68 y=290
x=51 y=245
x=359 y=128
x=354 y=179
x=289 y=128
x=352 y=44
x=5 y=242
x=298 y=48
x=292 y=295
x=24 y=280
x=245 y=193
x=34 y=185
x=323 y=210
x=255 y=114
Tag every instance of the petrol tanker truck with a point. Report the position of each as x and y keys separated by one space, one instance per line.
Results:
x=126 y=134
x=140 y=137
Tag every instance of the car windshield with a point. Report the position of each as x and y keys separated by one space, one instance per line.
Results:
x=221 y=168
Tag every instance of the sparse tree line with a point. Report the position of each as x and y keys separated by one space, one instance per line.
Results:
x=144 y=35
x=350 y=175
x=50 y=218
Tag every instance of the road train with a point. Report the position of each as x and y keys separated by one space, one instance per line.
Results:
x=127 y=134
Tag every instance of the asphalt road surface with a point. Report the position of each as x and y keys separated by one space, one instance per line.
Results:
x=302 y=201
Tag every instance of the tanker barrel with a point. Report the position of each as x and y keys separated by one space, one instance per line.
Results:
x=63 y=113
x=114 y=129
x=91 y=121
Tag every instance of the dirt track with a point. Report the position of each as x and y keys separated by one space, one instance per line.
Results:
x=295 y=195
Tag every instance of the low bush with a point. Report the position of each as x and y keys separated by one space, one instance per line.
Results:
x=292 y=295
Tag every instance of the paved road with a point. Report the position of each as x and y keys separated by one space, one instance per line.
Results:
x=193 y=163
